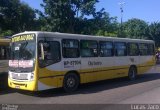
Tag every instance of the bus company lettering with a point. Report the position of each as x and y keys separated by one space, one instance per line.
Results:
x=71 y=63
x=92 y=63
x=23 y=37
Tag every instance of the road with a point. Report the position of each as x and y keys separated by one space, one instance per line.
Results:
x=144 y=90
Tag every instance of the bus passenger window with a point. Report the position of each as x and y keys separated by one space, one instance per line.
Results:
x=133 y=49
x=120 y=49
x=70 y=48
x=89 y=48
x=106 y=49
x=143 y=48
x=51 y=52
x=151 y=49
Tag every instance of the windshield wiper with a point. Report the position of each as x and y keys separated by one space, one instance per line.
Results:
x=22 y=49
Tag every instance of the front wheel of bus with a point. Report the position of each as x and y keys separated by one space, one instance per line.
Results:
x=132 y=73
x=71 y=82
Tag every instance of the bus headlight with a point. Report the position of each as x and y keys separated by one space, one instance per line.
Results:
x=10 y=75
x=32 y=76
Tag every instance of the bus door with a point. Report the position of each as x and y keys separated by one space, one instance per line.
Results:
x=49 y=56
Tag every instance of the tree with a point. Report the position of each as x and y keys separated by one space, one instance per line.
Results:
x=154 y=32
x=135 y=28
x=26 y=16
x=64 y=15
x=106 y=25
x=16 y=16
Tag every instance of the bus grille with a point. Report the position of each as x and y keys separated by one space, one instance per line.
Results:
x=19 y=76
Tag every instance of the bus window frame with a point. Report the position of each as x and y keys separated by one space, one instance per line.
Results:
x=115 y=53
x=128 y=48
x=62 y=41
x=143 y=49
x=153 y=49
x=97 y=54
x=106 y=48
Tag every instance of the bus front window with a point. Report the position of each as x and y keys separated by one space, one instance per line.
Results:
x=23 y=50
x=22 y=53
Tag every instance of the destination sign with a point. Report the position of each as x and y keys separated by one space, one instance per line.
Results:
x=23 y=37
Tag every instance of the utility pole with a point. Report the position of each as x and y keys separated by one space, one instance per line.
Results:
x=121 y=9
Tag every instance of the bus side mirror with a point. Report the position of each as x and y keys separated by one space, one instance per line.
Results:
x=42 y=51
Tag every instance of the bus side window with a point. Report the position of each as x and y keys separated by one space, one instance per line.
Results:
x=50 y=50
x=89 y=48
x=106 y=49
x=133 y=49
x=143 y=48
x=120 y=49
x=151 y=49
x=70 y=48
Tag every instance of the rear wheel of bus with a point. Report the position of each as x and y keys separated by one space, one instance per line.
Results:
x=71 y=82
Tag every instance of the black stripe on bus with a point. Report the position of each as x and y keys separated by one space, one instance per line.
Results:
x=146 y=66
x=103 y=70
x=50 y=76
x=111 y=69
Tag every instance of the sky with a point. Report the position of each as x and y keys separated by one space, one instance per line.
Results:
x=146 y=10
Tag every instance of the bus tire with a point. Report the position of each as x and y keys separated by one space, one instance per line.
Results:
x=132 y=73
x=70 y=82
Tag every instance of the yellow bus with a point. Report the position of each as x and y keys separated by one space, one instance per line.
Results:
x=45 y=60
x=4 y=55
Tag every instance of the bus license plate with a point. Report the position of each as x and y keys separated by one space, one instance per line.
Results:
x=17 y=87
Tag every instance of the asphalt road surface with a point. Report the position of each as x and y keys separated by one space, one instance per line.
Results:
x=144 y=90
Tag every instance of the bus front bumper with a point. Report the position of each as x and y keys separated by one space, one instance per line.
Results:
x=27 y=85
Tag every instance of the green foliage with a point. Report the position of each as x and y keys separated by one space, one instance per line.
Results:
x=6 y=33
x=105 y=33
x=16 y=16
x=65 y=15
x=135 y=28
x=71 y=16
x=154 y=32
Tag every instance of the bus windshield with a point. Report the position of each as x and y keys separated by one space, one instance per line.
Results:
x=22 y=54
x=23 y=50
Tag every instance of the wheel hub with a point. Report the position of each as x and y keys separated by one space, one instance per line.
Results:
x=70 y=82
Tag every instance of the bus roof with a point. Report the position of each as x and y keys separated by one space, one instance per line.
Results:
x=80 y=36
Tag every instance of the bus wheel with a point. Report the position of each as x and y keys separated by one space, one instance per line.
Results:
x=132 y=73
x=71 y=82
